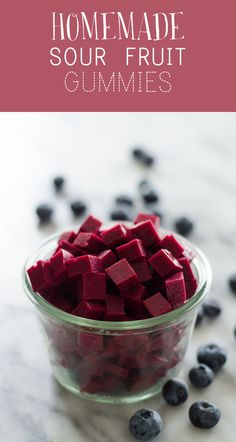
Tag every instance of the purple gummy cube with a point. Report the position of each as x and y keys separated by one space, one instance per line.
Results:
x=164 y=263
x=115 y=308
x=83 y=264
x=175 y=289
x=170 y=243
x=132 y=251
x=94 y=286
x=57 y=264
x=116 y=370
x=134 y=298
x=38 y=276
x=145 y=217
x=157 y=305
x=90 y=225
x=107 y=258
x=61 y=303
x=114 y=236
x=122 y=274
x=67 y=246
x=142 y=270
x=191 y=287
x=90 y=310
x=89 y=242
x=147 y=233
x=67 y=236
x=89 y=341
x=187 y=271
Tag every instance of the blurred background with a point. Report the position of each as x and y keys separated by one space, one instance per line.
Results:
x=193 y=175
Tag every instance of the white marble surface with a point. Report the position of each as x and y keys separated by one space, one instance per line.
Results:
x=195 y=176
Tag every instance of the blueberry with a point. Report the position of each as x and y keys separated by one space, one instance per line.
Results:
x=232 y=283
x=204 y=414
x=78 y=208
x=199 y=317
x=148 y=160
x=145 y=424
x=124 y=200
x=201 y=376
x=58 y=183
x=149 y=196
x=143 y=157
x=120 y=215
x=212 y=308
x=138 y=153
x=44 y=212
x=212 y=355
x=184 y=226
x=175 y=391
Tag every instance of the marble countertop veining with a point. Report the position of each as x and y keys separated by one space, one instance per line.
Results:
x=195 y=176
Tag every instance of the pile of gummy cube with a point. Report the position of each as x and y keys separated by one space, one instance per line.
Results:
x=117 y=274
x=123 y=273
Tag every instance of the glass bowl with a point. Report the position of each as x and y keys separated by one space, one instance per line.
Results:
x=117 y=362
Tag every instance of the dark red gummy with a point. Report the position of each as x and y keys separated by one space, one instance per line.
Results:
x=38 y=277
x=170 y=243
x=132 y=251
x=116 y=370
x=90 y=310
x=115 y=308
x=157 y=305
x=134 y=298
x=89 y=241
x=67 y=236
x=89 y=341
x=83 y=264
x=122 y=274
x=66 y=245
x=147 y=233
x=142 y=270
x=191 y=287
x=164 y=263
x=114 y=236
x=90 y=225
x=175 y=289
x=107 y=258
x=187 y=271
x=94 y=286
x=145 y=217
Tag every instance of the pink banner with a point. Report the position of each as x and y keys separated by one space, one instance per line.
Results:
x=118 y=55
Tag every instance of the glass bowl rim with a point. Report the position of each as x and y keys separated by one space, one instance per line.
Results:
x=204 y=282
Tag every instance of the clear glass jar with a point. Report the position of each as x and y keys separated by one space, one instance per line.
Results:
x=117 y=362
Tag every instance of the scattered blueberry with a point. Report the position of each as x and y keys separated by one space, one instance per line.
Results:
x=120 y=215
x=58 y=183
x=78 y=208
x=145 y=424
x=175 y=391
x=212 y=355
x=184 y=226
x=149 y=196
x=143 y=157
x=44 y=212
x=201 y=376
x=204 y=414
x=125 y=200
x=232 y=283
x=212 y=308
x=138 y=153
x=199 y=317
